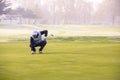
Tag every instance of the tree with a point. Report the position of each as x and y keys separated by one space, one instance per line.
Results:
x=59 y=11
x=109 y=10
x=24 y=13
x=77 y=11
x=4 y=7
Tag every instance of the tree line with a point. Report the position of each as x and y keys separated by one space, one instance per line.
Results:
x=66 y=11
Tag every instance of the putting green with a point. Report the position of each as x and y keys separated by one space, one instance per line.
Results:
x=61 y=60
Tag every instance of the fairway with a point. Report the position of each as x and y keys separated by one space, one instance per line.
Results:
x=61 y=60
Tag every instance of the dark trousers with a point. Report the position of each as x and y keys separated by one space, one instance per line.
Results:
x=41 y=44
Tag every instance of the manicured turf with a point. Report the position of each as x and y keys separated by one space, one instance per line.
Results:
x=61 y=60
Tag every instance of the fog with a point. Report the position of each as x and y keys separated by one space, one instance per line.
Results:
x=63 y=12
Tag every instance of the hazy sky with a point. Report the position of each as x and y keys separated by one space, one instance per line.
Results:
x=95 y=3
x=17 y=3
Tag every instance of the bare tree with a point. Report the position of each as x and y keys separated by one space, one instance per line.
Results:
x=60 y=11
x=109 y=9
x=4 y=7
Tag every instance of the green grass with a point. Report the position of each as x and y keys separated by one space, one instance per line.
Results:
x=76 y=39
x=61 y=60
x=87 y=38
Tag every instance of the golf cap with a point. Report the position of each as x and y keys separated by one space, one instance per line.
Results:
x=35 y=32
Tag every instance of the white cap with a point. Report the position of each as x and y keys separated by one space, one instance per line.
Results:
x=35 y=32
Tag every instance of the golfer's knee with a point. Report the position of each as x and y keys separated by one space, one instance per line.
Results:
x=31 y=46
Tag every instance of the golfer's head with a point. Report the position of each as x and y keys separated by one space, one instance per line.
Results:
x=35 y=34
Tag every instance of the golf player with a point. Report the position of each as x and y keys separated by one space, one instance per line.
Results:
x=36 y=40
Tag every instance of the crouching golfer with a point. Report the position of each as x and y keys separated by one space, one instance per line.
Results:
x=36 y=40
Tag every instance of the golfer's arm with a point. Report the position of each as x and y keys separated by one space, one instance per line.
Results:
x=31 y=41
x=44 y=32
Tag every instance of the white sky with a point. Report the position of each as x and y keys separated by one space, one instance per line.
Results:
x=95 y=3
x=17 y=3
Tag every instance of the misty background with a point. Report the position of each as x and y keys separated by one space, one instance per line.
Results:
x=88 y=12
